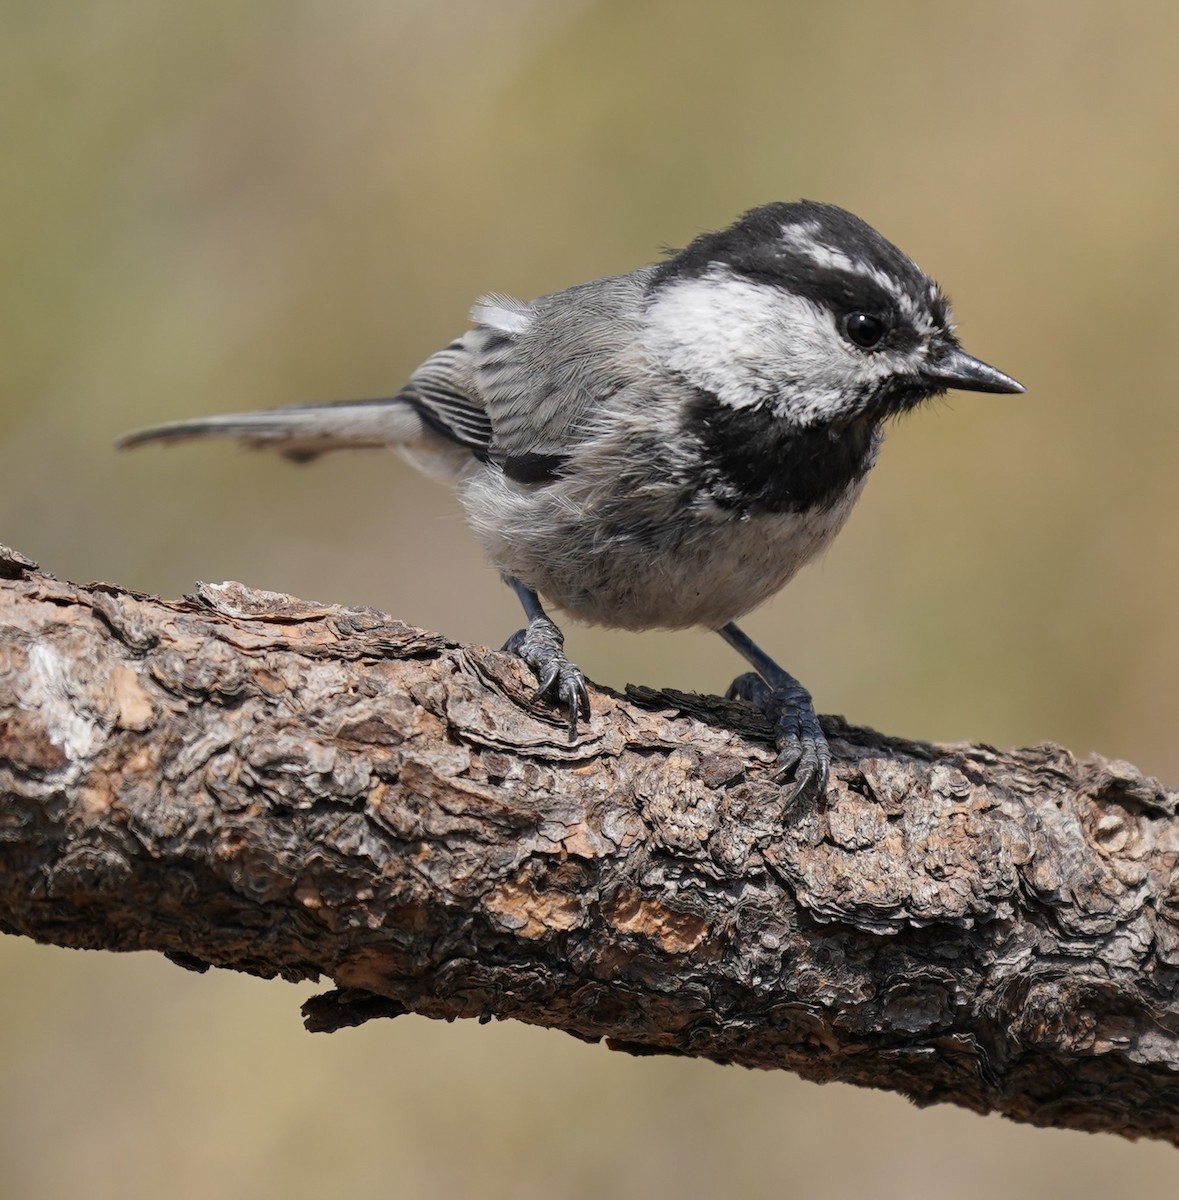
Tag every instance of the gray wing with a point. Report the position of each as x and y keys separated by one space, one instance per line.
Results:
x=520 y=388
x=543 y=369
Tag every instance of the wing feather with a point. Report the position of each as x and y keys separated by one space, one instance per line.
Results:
x=543 y=369
x=443 y=393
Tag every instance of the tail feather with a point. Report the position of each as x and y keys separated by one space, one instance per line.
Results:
x=300 y=432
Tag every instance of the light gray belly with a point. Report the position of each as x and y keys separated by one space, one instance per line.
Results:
x=697 y=565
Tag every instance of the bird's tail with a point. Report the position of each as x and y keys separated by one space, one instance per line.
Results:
x=301 y=432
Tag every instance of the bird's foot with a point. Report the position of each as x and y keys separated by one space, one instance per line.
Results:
x=802 y=749
x=542 y=646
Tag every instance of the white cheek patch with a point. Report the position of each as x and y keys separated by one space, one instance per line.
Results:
x=748 y=343
x=739 y=340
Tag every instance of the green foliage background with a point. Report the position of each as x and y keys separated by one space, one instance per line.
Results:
x=216 y=206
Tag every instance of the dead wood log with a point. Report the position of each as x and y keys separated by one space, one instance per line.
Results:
x=250 y=781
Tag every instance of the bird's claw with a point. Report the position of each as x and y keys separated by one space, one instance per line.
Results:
x=808 y=761
x=565 y=683
x=571 y=693
x=803 y=753
x=542 y=647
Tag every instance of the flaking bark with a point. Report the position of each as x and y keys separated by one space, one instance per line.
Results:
x=250 y=781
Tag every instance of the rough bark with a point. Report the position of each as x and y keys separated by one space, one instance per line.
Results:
x=250 y=781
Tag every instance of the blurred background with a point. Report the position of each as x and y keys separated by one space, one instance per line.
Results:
x=213 y=206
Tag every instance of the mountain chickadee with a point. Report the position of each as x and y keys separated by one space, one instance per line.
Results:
x=666 y=448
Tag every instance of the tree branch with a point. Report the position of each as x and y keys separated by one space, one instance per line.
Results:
x=250 y=781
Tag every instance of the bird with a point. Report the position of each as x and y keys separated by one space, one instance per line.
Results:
x=665 y=448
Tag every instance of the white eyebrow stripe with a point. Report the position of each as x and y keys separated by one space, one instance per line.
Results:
x=795 y=231
x=802 y=238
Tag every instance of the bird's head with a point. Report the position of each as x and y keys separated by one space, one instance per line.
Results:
x=806 y=308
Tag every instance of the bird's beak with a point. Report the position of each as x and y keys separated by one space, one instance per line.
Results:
x=954 y=368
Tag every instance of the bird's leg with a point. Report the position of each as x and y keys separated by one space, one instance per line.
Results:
x=802 y=748
x=542 y=646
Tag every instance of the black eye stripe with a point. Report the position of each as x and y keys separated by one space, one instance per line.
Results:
x=827 y=287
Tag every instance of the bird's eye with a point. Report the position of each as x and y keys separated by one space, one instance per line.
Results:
x=864 y=330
